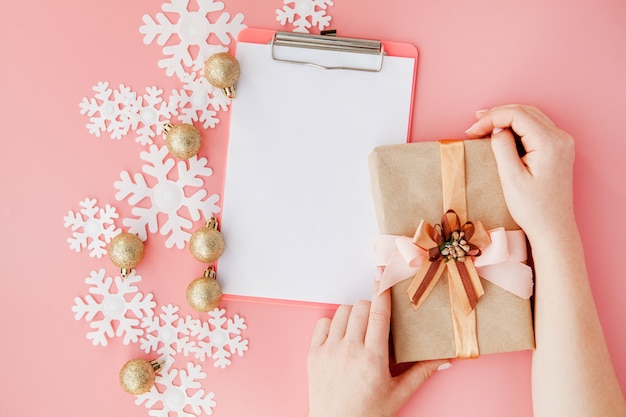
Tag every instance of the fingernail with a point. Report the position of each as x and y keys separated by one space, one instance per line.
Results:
x=379 y=274
x=471 y=127
x=496 y=130
x=444 y=366
x=479 y=113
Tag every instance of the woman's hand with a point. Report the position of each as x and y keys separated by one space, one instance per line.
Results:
x=349 y=364
x=537 y=186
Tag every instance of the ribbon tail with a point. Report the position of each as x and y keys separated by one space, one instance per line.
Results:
x=465 y=282
x=514 y=277
x=396 y=270
x=465 y=289
x=424 y=282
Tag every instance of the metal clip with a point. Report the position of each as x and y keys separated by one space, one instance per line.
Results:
x=328 y=43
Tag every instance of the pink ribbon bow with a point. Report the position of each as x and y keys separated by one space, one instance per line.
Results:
x=500 y=263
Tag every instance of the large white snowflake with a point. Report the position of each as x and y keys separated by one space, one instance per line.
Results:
x=168 y=330
x=167 y=196
x=92 y=228
x=198 y=100
x=193 y=29
x=219 y=338
x=108 y=110
x=180 y=398
x=304 y=14
x=113 y=307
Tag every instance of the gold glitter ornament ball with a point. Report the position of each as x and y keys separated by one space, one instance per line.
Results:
x=182 y=140
x=126 y=251
x=137 y=375
x=206 y=244
x=222 y=71
x=204 y=293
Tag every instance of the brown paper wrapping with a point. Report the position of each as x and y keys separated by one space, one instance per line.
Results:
x=406 y=186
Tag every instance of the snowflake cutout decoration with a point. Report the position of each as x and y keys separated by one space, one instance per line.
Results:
x=92 y=228
x=168 y=330
x=149 y=112
x=193 y=29
x=121 y=111
x=198 y=100
x=178 y=398
x=113 y=307
x=108 y=110
x=219 y=338
x=304 y=14
x=167 y=196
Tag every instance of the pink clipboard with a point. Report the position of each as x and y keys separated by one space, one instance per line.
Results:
x=297 y=218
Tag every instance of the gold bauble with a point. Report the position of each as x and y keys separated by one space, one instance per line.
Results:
x=126 y=251
x=204 y=293
x=182 y=140
x=137 y=375
x=206 y=244
x=222 y=71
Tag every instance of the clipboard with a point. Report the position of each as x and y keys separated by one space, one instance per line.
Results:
x=297 y=214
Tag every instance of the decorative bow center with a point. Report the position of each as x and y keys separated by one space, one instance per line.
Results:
x=450 y=241
x=456 y=248
x=453 y=239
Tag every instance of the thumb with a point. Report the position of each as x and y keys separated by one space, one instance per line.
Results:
x=510 y=165
x=411 y=379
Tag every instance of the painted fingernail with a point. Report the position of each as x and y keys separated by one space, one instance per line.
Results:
x=480 y=112
x=444 y=366
x=496 y=130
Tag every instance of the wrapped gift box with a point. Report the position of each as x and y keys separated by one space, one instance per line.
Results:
x=408 y=187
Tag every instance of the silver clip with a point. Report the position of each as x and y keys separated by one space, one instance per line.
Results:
x=328 y=43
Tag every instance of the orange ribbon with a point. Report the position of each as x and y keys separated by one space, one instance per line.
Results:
x=441 y=243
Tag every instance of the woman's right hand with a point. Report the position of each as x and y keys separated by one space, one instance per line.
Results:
x=537 y=186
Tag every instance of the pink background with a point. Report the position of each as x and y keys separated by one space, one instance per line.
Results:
x=566 y=56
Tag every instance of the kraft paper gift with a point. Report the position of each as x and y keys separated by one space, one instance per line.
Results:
x=438 y=312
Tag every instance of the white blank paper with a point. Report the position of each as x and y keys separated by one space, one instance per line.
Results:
x=298 y=217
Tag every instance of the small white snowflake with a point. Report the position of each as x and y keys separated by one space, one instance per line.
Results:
x=149 y=112
x=219 y=338
x=167 y=196
x=108 y=110
x=93 y=231
x=113 y=307
x=198 y=100
x=121 y=111
x=168 y=330
x=178 y=398
x=304 y=14
x=193 y=28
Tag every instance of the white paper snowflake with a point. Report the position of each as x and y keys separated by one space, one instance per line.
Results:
x=199 y=101
x=193 y=28
x=121 y=111
x=108 y=110
x=168 y=196
x=149 y=112
x=168 y=330
x=113 y=307
x=180 y=398
x=92 y=228
x=219 y=338
x=304 y=14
